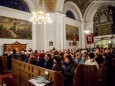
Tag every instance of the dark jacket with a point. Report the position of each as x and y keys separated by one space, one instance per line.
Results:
x=68 y=72
x=47 y=64
x=56 y=67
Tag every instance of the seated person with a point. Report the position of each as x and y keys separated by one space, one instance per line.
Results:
x=27 y=56
x=47 y=61
x=91 y=60
x=32 y=59
x=78 y=58
x=68 y=67
x=57 y=63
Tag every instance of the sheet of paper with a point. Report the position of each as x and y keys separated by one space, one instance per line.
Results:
x=34 y=82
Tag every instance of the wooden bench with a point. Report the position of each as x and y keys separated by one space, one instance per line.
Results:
x=22 y=72
x=85 y=75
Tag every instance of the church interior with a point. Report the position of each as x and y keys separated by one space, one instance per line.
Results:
x=57 y=42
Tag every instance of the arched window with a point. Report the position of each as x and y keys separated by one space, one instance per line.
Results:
x=15 y=4
x=70 y=14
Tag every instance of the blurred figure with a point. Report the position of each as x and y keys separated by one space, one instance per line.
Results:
x=68 y=67
x=91 y=60
x=84 y=55
x=56 y=63
x=78 y=58
x=27 y=56
x=47 y=61
x=32 y=59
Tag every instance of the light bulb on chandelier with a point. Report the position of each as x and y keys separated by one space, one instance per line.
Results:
x=40 y=16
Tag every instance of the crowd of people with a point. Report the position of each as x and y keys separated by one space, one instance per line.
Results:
x=64 y=61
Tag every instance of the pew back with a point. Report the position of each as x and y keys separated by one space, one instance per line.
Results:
x=86 y=75
x=22 y=72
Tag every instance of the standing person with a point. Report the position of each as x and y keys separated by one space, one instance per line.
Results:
x=68 y=67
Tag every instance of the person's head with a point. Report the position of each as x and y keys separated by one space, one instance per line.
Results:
x=32 y=55
x=84 y=53
x=78 y=55
x=67 y=58
x=91 y=55
x=27 y=54
x=14 y=51
x=47 y=56
x=57 y=59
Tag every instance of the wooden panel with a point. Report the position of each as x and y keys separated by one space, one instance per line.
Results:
x=16 y=45
x=24 y=71
x=86 y=75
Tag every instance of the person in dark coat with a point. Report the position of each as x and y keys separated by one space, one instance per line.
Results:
x=68 y=67
x=56 y=63
x=47 y=61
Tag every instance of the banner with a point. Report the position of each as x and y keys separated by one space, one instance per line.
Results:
x=90 y=39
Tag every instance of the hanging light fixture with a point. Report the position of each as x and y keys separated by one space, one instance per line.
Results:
x=40 y=16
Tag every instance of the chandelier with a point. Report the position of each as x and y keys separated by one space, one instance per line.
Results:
x=40 y=16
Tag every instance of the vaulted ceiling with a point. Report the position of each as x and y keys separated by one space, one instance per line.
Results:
x=82 y=4
x=15 y=4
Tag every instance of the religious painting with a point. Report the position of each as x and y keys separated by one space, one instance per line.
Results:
x=15 y=28
x=71 y=32
x=50 y=5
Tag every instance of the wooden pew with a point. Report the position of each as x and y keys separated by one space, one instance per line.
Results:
x=85 y=75
x=22 y=72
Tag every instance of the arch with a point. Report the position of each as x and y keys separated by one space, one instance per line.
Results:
x=59 y=5
x=30 y=5
x=92 y=8
x=23 y=5
x=74 y=9
x=70 y=14
x=15 y=4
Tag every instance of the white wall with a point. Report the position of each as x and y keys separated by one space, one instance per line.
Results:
x=8 y=12
x=51 y=32
x=73 y=23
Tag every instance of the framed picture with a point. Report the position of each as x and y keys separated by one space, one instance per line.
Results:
x=50 y=43
x=15 y=28
x=72 y=31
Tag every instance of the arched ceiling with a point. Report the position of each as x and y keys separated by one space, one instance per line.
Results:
x=82 y=4
x=15 y=4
